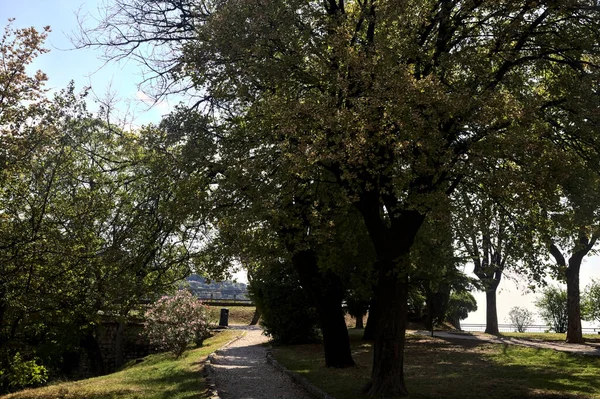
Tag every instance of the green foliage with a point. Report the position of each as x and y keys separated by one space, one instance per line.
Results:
x=394 y=106
x=552 y=307
x=22 y=373
x=591 y=301
x=287 y=315
x=89 y=225
x=93 y=219
x=520 y=318
x=436 y=275
x=461 y=303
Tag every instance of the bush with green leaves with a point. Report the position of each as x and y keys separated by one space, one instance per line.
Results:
x=173 y=322
x=20 y=373
x=287 y=314
x=520 y=318
x=553 y=308
x=460 y=304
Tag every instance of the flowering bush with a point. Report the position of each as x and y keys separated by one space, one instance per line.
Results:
x=174 y=322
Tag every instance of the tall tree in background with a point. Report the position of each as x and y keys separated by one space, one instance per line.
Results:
x=577 y=232
x=498 y=239
x=398 y=103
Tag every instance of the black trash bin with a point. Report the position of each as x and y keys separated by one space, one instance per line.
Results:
x=224 y=319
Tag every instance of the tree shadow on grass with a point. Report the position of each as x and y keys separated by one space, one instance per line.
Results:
x=471 y=369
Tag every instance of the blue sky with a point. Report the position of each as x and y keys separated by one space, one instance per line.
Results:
x=85 y=67
x=63 y=64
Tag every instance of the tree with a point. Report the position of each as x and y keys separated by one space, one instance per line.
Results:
x=321 y=82
x=577 y=230
x=93 y=221
x=90 y=224
x=495 y=232
x=20 y=93
x=591 y=301
x=520 y=318
x=553 y=308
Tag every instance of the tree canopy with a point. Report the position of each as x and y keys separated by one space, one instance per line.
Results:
x=400 y=103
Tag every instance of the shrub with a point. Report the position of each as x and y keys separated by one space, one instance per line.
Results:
x=287 y=315
x=520 y=318
x=23 y=373
x=174 y=322
x=460 y=304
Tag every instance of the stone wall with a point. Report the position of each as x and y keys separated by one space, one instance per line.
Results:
x=116 y=343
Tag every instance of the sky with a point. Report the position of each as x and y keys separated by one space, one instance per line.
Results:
x=63 y=64
x=84 y=66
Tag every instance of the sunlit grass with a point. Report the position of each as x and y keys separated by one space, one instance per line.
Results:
x=241 y=315
x=437 y=368
x=159 y=376
x=548 y=336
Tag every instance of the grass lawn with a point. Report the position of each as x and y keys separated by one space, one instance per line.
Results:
x=240 y=314
x=548 y=336
x=159 y=376
x=437 y=368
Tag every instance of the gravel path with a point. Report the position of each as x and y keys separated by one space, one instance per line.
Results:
x=242 y=371
x=589 y=349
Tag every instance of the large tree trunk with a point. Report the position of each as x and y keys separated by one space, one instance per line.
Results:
x=119 y=344
x=429 y=316
x=336 y=342
x=392 y=245
x=574 y=333
x=488 y=267
x=92 y=349
x=491 y=312
x=255 y=317
x=359 y=322
x=369 y=333
x=326 y=291
x=387 y=378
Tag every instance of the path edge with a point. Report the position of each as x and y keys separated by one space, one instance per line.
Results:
x=209 y=370
x=303 y=382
